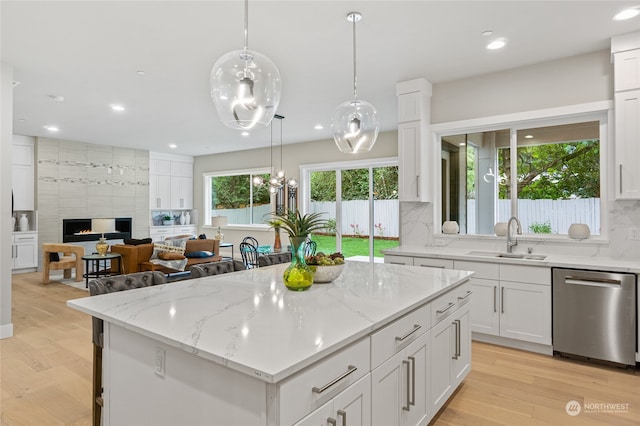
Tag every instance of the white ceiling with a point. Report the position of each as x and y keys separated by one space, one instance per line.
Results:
x=89 y=52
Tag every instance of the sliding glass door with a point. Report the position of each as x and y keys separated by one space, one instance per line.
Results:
x=360 y=201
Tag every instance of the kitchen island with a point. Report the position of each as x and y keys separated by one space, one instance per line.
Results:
x=242 y=349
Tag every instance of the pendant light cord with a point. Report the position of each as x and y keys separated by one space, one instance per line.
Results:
x=281 y=166
x=271 y=171
x=355 y=78
x=246 y=24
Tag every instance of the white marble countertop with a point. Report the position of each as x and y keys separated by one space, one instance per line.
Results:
x=251 y=323
x=551 y=260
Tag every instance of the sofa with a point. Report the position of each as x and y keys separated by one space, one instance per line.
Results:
x=135 y=258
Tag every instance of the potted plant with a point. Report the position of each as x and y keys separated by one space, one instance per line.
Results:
x=298 y=276
x=167 y=220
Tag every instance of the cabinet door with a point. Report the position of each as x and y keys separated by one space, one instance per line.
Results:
x=388 y=395
x=23 y=187
x=25 y=253
x=181 y=192
x=412 y=179
x=417 y=354
x=627 y=70
x=353 y=405
x=461 y=361
x=525 y=312
x=627 y=148
x=441 y=351
x=159 y=191
x=318 y=417
x=485 y=317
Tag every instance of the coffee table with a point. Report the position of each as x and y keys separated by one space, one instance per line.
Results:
x=95 y=260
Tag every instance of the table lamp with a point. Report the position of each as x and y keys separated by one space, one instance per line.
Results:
x=218 y=222
x=101 y=226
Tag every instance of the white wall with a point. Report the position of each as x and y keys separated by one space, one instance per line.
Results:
x=6 y=138
x=567 y=81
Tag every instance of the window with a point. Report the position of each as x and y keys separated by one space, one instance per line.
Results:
x=549 y=176
x=233 y=195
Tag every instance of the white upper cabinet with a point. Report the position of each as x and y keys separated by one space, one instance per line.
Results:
x=626 y=59
x=170 y=181
x=22 y=173
x=414 y=159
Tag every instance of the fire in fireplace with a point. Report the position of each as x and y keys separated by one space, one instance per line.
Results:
x=74 y=230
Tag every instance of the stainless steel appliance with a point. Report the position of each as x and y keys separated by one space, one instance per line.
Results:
x=594 y=314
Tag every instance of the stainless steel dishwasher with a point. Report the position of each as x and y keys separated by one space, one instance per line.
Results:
x=594 y=315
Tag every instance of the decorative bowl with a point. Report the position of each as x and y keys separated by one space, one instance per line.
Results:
x=579 y=231
x=326 y=273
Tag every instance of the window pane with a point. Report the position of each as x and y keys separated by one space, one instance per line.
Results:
x=355 y=212
x=385 y=209
x=323 y=200
x=559 y=178
x=239 y=200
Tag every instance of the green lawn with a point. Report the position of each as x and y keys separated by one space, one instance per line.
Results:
x=353 y=246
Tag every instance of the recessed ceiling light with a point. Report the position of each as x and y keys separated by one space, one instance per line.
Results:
x=487 y=33
x=462 y=144
x=245 y=133
x=173 y=145
x=627 y=14
x=528 y=136
x=51 y=128
x=57 y=98
x=497 y=44
x=140 y=72
x=117 y=107
x=318 y=127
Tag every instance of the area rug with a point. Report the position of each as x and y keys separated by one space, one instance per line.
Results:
x=71 y=282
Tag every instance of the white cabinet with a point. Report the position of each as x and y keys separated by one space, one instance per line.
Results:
x=24 y=250
x=354 y=404
x=418 y=261
x=627 y=148
x=159 y=191
x=22 y=174
x=626 y=70
x=450 y=359
x=160 y=233
x=400 y=387
x=181 y=192
x=412 y=156
x=510 y=301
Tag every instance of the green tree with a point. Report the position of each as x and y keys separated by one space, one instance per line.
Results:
x=231 y=192
x=355 y=184
x=554 y=171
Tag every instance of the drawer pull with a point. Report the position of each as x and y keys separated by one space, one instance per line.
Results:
x=416 y=327
x=457 y=324
x=494 y=298
x=344 y=417
x=351 y=369
x=397 y=263
x=451 y=305
x=332 y=421
x=432 y=266
x=407 y=407
x=466 y=295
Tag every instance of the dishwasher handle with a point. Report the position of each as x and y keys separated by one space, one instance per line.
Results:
x=594 y=282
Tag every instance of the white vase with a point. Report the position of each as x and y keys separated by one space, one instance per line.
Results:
x=183 y=219
x=24 y=223
x=579 y=231
x=13 y=223
x=450 y=227
x=187 y=218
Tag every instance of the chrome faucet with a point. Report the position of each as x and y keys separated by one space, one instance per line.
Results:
x=512 y=241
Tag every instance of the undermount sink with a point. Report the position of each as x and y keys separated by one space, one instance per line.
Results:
x=508 y=255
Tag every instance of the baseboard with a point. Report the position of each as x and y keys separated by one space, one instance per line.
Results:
x=512 y=343
x=6 y=330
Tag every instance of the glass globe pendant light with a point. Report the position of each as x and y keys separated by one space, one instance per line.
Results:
x=355 y=122
x=245 y=86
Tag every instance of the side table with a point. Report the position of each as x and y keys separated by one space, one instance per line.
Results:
x=95 y=260
x=227 y=245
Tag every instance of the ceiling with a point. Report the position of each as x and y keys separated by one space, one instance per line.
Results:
x=89 y=53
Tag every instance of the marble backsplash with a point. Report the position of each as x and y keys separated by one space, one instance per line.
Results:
x=417 y=228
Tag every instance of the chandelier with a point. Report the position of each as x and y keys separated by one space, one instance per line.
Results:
x=245 y=86
x=355 y=122
x=276 y=180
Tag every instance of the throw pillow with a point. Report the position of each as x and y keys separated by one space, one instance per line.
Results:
x=54 y=257
x=199 y=254
x=137 y=242
x=173 y=246
x=169 y=255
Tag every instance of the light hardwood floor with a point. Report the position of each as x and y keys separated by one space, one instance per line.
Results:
x=45 y=374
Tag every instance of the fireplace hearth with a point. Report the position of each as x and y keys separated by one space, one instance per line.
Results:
x=75 y=230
